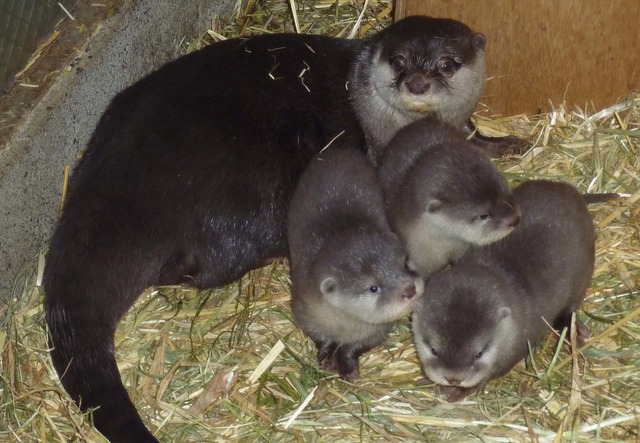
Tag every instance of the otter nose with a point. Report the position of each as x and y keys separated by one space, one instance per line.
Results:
x=410 y=292
x=418 y=84
x=514 y=221
x=515 y=218
x=512 y=213
x=453 y=380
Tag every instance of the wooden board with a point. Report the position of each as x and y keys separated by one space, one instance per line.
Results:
x=582 y=51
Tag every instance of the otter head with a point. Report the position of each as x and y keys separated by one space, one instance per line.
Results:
x=462 y=328
x=427 y=66
x=363 y=273
x=463 y=196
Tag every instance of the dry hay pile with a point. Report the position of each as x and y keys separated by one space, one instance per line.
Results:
x=197 y=363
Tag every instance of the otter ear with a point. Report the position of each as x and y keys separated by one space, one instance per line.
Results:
x=479 y=41
x=434 y=205
x=503 y=313
x=328 y=286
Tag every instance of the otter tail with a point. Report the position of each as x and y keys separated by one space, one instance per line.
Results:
x=603 y=197
x=82 y=314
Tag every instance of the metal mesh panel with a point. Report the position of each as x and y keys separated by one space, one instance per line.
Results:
x=23 y=25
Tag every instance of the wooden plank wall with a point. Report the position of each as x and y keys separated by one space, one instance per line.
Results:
x=587 y=51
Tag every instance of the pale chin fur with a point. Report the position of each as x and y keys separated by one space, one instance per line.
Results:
x=383 y=110
x=365 y=308
x=477 y=234
x=416 y=106
x=378 y=107
x=466 y=86
x=435 y=240
x=444 y=233
x=403 y=307
x=492 y=236
x=399 y=307
x=362 y=308
x=438 y=377
x=323 y=319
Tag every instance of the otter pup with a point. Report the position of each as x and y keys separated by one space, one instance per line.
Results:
x=443 y=195
x=475 y=320
x=189 y=173
x=348 y=271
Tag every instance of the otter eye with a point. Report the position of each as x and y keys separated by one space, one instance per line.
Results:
x=446 y=66
x=374 y=289
x=434 y=352
x=482 y=217
x=479 y=354
x=398 y=64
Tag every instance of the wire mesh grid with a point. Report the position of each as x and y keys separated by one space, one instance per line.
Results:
x=23 y=25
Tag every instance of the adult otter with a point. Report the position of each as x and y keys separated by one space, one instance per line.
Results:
x=188 y=175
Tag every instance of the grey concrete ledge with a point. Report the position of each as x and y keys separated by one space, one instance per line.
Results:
x=141 y=36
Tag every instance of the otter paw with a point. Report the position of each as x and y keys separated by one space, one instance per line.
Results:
x=349 y=374
x=424 y=381
x=455 y=393
x=329 y=363
x=582 y=333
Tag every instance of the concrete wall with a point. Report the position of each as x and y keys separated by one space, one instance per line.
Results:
x=140 y=37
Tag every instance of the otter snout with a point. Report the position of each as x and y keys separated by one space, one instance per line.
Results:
x=409 y=292
x=514 y=220
x=413 y=289
x=453 y=380
x=418 y=84
x=512 y=212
